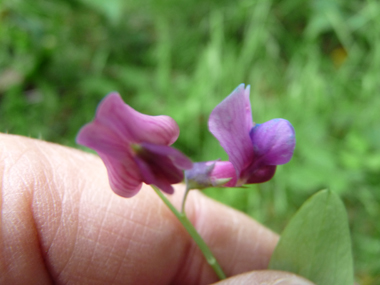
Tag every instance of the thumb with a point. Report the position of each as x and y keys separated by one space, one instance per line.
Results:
x=266 y=277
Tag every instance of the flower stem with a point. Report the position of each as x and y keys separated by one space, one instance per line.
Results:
x=181 y=216
x=184 y=200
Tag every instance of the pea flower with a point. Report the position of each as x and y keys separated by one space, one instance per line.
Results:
x=254 y=150
x=134 y=147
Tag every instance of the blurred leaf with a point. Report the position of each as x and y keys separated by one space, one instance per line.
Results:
x=316 y=243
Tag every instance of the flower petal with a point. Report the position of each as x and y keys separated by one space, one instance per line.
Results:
x=223 y=170
x=133 y=126
x=102 y=139
x=124 y=176
x=273 y=142
x=178 y=158
x=149 y=177
x=261 y=175
x=230 y=122
x=160 y=165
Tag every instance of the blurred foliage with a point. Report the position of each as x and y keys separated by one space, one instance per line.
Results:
x=315 y=63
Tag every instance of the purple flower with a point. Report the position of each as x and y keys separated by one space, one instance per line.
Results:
x=134 y=147
x=254 y=150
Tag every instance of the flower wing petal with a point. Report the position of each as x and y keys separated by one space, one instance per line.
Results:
x=125 y=179
x=230 y=122
x=150 y=177
x=273 y=141
x=178 y=158
x=133 y=126
x=262 y=174
x=161 y=165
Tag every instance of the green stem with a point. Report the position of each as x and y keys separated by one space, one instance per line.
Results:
x=194 y=234
x=184 y=200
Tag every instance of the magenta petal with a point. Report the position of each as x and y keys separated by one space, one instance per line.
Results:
x=273 y=141
x=178 y=158
x=262 y=174
x=223 y=170
x=101 y=139
x=230 y=122
x=149 y=177
x=133 y=126
x=125 y=179
x=161 y=165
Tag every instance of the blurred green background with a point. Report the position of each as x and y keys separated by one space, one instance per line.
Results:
x=315 y=63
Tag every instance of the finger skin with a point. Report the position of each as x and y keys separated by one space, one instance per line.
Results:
x=62 y=224
x=266 y=277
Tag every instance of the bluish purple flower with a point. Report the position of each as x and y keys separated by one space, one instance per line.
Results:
x=134 y=147
x=254 y=150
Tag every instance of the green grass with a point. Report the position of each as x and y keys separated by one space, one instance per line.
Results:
x=315 y=63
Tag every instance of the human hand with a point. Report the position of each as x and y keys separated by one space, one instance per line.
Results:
x=61 y=223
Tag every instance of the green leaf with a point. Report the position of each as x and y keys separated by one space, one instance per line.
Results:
x=316 y=244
